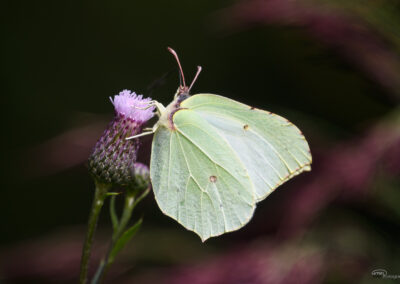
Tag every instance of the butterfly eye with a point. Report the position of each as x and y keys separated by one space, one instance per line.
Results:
x=183 y=97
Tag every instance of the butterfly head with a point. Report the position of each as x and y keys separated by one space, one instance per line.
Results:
x=183 y=91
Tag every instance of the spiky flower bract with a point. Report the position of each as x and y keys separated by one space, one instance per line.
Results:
x=142 y=176
x=113 y=158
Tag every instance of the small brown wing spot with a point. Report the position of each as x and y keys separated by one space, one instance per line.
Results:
x=213 y=179
x=246 y=127
x=252 y=108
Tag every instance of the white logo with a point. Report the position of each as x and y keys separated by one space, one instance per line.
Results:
x=382 y=273
x=379 y=273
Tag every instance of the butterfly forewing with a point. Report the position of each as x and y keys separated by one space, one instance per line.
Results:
x=270 y=147
x=199 y=179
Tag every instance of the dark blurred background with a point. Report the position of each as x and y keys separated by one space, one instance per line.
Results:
x=331 y=67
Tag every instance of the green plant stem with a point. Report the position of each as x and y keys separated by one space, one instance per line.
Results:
x=130 y=203
x=98 y=201
x=126 y=216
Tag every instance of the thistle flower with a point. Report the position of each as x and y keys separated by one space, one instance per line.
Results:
x=113 y=158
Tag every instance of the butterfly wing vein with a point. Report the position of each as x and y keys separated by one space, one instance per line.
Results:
x=222 y=158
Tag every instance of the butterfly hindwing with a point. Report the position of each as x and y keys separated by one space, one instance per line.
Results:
x=271 y=148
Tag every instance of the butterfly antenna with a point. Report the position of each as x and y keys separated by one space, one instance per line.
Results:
x=179 y=64
x=180 y=79
x=195 y=77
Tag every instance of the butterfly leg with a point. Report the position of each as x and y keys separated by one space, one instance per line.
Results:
x=160 y=109
x=147 y=131
x=149 y=105
x=140 y=135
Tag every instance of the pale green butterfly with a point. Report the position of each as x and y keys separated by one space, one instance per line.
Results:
x=213 y=159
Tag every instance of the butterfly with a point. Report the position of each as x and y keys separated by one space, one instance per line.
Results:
x=213 y=159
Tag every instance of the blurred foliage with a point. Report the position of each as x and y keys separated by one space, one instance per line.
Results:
x=382 y=16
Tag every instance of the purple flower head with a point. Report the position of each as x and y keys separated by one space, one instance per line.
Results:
x=133 y=106
x=113 y=160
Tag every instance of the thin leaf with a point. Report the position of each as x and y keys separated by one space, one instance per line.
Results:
x=124 y=239
x=113 y=214
x=143 y=195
